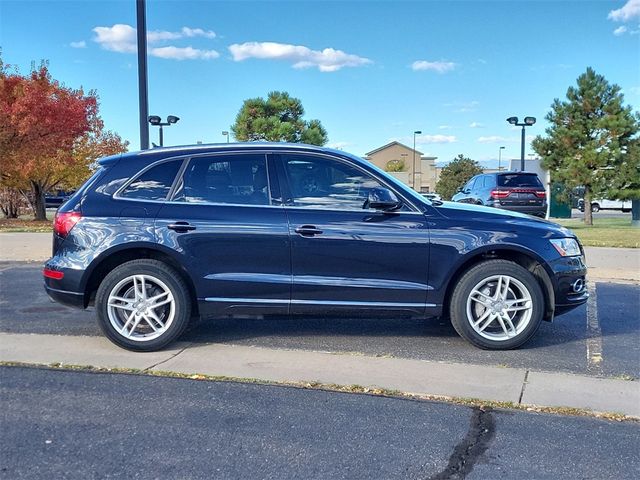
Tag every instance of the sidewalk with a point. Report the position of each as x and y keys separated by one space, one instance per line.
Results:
x=604 y=263
x=518 y=386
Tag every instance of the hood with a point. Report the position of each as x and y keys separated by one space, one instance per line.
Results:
x=480 y=213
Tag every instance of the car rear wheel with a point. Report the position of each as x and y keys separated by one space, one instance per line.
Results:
x=497 y=305
x=143 y=305
x=595 y=207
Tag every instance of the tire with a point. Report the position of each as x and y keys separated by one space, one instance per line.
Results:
x=124 y=305
x=479 y=316
x=595 y=208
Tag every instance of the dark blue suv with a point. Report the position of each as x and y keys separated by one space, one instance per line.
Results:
x=156 y=238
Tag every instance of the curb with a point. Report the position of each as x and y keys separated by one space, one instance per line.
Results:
x=507 y=387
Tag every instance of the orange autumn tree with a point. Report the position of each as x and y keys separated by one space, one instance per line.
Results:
x=50 y=135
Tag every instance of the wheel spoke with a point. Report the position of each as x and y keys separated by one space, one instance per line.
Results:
x=155 y=317
x=122 y=306
x=509 y=323
x=492 y=317
x=150 y=322
x=498 y=292
x=486 y=313
x=504 y=327
x=134 y=326
x=129 y=318
x=505 y=288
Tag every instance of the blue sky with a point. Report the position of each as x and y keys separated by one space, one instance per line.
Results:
x=372 y=72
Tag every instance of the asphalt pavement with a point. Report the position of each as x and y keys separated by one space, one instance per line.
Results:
x=561 y=346
x=63 y=424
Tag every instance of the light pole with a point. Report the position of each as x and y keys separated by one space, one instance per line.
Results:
x=417 y=132
x=500 y=158
x=143 y=97
x=156 y=121
x=225 y=133
x=528 y=121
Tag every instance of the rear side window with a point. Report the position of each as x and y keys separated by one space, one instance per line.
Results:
x=519 y=180
x=154 y=184
x=488 y=181
x=230 y=179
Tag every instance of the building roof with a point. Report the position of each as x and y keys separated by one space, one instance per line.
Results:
x=391 y=144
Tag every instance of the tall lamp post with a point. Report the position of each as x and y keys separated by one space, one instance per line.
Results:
x=417 y=132
x=225 y=133
x=500 y=158
x=528 y=121
x=143 y=97
x=156 y=121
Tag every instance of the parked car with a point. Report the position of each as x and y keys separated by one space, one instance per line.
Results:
x=604 y=204
x=156 y=238
x=56 y=198
x=516 y=191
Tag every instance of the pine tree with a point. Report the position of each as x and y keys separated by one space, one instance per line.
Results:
x=455 y=174
x=592 y=142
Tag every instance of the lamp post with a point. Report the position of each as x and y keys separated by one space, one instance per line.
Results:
x=143 y=96
x=417 y=132
x=156 y=121
x=500 y=158
x=528 y=121
x=225 y=133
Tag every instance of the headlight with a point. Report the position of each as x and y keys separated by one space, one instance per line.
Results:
x=567 y=247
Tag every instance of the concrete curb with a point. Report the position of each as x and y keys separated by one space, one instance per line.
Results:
x=496 y=384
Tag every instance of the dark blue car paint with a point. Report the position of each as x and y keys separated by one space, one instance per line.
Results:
x=250 y=259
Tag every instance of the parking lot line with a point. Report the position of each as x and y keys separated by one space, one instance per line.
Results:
x=594 y=334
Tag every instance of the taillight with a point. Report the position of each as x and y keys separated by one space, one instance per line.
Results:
x=55 y=274
x=64 y=222
x=500 y=193
x=540 y=194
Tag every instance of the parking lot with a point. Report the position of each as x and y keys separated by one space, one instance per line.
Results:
x=605 y=343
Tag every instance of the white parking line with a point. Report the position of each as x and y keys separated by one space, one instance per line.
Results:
x=594 y=334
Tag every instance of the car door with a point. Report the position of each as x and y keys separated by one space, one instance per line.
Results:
x=231 y=236
x=345 y=257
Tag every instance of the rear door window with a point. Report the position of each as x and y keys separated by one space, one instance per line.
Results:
x=519 y=180
x=225 y=179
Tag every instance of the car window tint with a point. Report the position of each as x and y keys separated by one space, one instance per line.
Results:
x=519 y=180
x=232 y=179
x=154 y=184
x=488 y=181
x=319 y=182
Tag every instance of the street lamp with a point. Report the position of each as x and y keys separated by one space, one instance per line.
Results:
x=528 y=121
x=417 y=132
x=226 y=134
x=156 y=121
x=500 y=158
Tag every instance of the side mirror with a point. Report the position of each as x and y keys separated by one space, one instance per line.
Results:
x=382 y=199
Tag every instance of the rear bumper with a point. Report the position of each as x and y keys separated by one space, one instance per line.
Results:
x=536 y=210
x=65 y=297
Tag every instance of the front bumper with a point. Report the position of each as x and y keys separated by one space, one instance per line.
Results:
x=570 y=283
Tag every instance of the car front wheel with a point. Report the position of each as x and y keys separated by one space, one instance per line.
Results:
x=497 y=305
x=143 y=305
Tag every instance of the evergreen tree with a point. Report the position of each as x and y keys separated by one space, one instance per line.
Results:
x=592 y=142
x=455 y=174
x=277 y=119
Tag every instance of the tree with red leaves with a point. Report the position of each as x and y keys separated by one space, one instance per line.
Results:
x=50 y=135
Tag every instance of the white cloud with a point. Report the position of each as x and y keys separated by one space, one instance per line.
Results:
x=183 y=53
x=476 y=125
x=440 y=67
x=122 y=38
x=628 y=12
x=494 y=139
x=198 y=32
x=621 y=30
x=426 y=139
x=80 y=44
x=327 y=60
x=117 y=38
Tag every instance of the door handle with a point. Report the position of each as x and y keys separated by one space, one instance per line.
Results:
x=181 y=227
x=308 y=230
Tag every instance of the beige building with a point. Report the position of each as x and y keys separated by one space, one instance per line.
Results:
x=397 y=156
